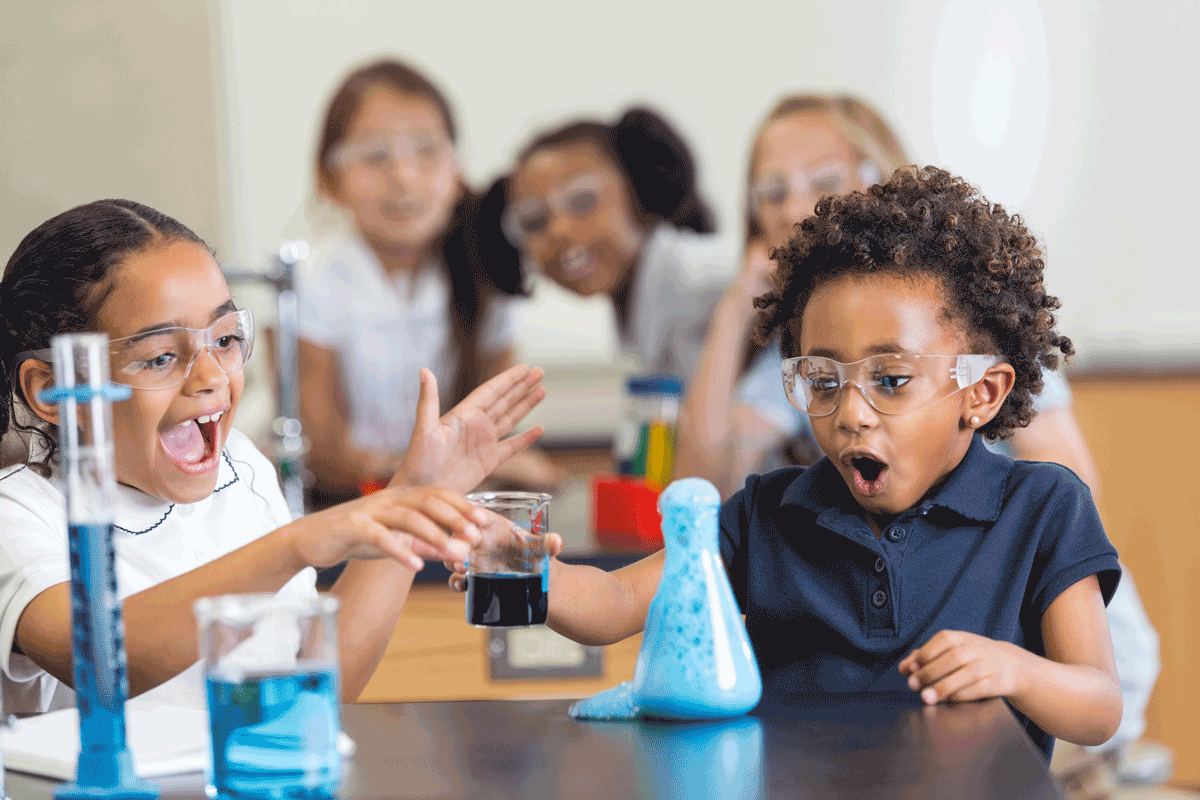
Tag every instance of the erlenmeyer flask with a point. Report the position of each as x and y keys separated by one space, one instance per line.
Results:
x=696 y=661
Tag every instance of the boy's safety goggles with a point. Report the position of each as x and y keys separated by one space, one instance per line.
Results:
x=163 y=357
x=893 y=383
x=577 y=198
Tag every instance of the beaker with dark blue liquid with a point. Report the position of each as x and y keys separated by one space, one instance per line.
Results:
x=508 y=576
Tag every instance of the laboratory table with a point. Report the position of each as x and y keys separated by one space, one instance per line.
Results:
x=532 y=749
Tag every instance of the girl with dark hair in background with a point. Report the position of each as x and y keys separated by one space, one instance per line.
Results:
x=615 y=210
x=198 y=509
x=404 y=288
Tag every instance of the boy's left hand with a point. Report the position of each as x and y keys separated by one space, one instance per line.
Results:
x=956 y=665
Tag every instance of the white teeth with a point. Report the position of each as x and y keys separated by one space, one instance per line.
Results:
x=209 y=418
x=575 y=260
x=202 y=419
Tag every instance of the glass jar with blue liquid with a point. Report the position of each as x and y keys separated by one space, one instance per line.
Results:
x=271 y=674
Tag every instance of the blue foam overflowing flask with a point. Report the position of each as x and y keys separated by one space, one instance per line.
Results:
x=696 y=661
x=84 y=397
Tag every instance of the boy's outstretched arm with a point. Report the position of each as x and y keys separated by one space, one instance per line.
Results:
x=1073 y=693
x=589 y=605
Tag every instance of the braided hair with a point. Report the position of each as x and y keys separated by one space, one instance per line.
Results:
x=58 y=278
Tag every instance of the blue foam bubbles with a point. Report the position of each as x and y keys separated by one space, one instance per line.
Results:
x=696 y=661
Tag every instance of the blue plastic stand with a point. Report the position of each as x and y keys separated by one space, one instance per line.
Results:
x=696 y=661
x=105 y=768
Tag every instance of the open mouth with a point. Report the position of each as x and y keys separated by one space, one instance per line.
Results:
x=192 y=444
x=577 y=263
x=870 y=475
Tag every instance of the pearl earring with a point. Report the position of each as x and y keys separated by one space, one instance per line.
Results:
x=974 y=421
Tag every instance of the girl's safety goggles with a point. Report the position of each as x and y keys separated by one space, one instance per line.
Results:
x=774 y=189
x=384 y=152
x=893 y=383
x=529 y=217
x=161 y=358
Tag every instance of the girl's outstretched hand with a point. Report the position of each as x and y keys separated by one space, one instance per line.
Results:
x=407 y=523
x=460 y=449
x=956 y=665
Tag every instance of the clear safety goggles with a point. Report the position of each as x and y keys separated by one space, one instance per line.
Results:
x=163 y=357
x=893 y=383
x=774 y=188
x=529 y=217
x=384 y=152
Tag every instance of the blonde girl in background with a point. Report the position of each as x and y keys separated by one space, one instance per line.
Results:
x=736 y=419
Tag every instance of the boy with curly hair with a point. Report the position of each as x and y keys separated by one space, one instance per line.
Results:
x=911 y=559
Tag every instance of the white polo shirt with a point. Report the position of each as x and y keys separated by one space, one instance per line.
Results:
x=154 y=541
x=681 y=276
x=384 y=330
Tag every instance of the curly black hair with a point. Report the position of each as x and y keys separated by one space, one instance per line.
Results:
x=928 y=222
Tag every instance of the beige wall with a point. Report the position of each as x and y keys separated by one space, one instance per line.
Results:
x=107 y=100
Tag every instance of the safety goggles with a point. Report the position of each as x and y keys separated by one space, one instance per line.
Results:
x=384 y=152
x=529 y=217
x=163 y=357
x=893 y=383
x=774 y=188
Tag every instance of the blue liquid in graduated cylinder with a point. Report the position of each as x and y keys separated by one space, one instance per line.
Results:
x=275 y=736
x=105 y=765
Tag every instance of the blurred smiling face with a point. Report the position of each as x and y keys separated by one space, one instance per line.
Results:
x=168 y=441
x=395 y=171
x=800 y=158
x=571 y=213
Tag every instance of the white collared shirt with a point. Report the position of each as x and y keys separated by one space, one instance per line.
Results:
x=680 y=278
x=154 y=540
x=383 y=331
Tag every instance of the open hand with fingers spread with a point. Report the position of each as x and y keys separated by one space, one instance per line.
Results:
x=406 y=523
x=460 y=448
x=956 y=665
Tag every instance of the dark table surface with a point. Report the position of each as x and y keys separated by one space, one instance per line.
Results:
x=532 y=749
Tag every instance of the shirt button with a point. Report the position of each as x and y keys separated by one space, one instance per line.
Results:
x=896 y=534
x=879 y=599
x=201 y=554
x=186 y=509
x=879 y=565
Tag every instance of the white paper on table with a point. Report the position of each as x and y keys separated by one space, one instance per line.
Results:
x=164 y=740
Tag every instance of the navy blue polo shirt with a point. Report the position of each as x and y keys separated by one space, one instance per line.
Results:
x=831 y=608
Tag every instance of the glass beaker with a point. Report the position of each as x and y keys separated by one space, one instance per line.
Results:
x=508 y=578
x=271 y=671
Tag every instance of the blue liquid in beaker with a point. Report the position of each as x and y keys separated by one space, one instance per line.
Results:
x=274 y=736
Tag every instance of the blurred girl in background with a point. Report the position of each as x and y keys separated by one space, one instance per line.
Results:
x=403 y=288
x=615 y=210
x=736 y=419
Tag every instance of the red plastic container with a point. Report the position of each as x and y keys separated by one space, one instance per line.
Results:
x=625 y=513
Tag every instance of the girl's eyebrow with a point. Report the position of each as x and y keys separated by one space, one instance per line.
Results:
x=227 y=307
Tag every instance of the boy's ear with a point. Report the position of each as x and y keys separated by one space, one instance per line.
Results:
x=987 y=395
x=33 y=377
